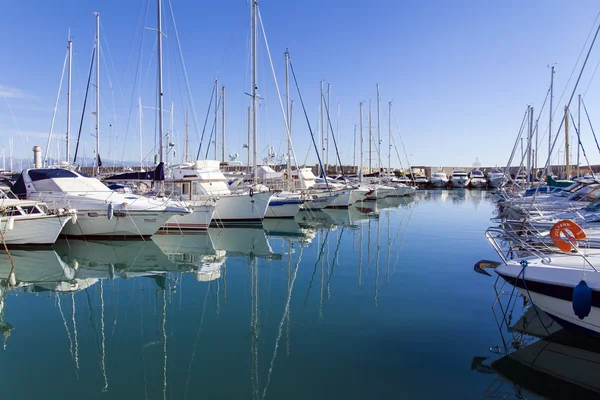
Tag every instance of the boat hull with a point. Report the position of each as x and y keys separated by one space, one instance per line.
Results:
x=341 y=201
x=318 y=201
x=459 y=183
x=42 y=230
x=241 y=209
x=284 y=206
x=126 y=224
x=439 y=183
x=198 y=220
x=358 y=194
x=554 y=296
x=478 y=183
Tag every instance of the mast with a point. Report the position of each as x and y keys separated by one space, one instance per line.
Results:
x=70 y=46
x=322 y=129
x=97 y=14
x=170 y=131
x=254 y=94
x=361 y=136
x=578 y=134
x=370 y=138
x=141 y=133
x=567 y=174
x=550 y=122
x=288 y=113
x=160 y=85
x=216 y=114
x=328 y=126
x=354 y=147
x=378 y=132
x=389 y=137
x=337 y=132
x=187 y=129
x=223 y=124
x=248 y=147
x=528 y=146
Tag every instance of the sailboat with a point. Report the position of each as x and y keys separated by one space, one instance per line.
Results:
x=101 y=212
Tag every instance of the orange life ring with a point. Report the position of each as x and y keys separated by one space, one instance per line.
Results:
x=564 y=234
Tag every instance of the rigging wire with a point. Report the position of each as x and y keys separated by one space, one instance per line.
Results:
x=87 y=89
x=308 y=123
x=590 y=122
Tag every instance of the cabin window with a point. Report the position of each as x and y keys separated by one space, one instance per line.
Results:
x=185 y=188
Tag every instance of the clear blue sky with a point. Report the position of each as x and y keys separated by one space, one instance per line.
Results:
x=460 y=74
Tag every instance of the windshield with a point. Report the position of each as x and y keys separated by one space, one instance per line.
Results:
x=41 y=174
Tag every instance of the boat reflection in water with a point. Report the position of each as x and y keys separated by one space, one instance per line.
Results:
x=288 y=229
x=245 y=242
x=195 y=252
x=541 y=360
x=155 y=335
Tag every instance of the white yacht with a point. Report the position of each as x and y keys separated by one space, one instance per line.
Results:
x=496 y=178
x=459 y=179
x=550 y=282
x=101 y=212
x=203 y=179
x=141 y=182
x=30 y=223
x=439 y=179
x=478 y=180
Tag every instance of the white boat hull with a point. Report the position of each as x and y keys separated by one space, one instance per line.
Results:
x=460 y=182
x=497 y=182
x=198 y=220
x=358 y=194
x=318 y=201
x=126 y=224
x=34 y=230
x=438 y=183
x=241 y=209
x=284 y=206
x=551 y=290
x=342 y=200
x=478 y=183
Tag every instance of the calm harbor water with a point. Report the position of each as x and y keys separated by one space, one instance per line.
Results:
x=379 y=301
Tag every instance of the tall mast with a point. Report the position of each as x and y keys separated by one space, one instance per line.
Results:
x=69 y=98
x=254 y=94
x=170 y=131
x=378 y=131
x=322 y=129
x=550 y=122
x=389 y=137
x=370 y=137
x=160 y=85
x=223 y=123
x=287 y=113
x=361 y=136
x=578 y=133
x=141 y=133
x=567 y=172
x=97 y=14
x=328 y=126
x=337 y=132
x=216 y=114
x=249 y=130
x=529 y=140
x=354 y=147
x=187 y=129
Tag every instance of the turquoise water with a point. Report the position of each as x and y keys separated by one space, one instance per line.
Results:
x=379 y=301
